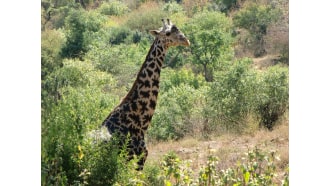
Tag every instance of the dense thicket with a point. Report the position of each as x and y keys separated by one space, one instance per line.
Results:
x=91 y=51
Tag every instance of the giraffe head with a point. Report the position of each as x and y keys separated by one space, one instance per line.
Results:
x=170 y=35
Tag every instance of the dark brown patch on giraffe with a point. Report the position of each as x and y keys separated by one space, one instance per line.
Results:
x=161 y=58
x=147 y=118
x=155 y=83
x=143 y=75
x=159 y=62
x=150 y=72
x=145 y=94
x=155 y=92
x=135 y=94
x=135 y=118
x=146 y=83
x=126 y=108
x=134 y=106
x=152 y=65
x=152 y=104
x=157 y=70
x=143 y=105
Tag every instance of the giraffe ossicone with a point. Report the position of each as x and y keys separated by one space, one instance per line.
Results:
x=133 y=115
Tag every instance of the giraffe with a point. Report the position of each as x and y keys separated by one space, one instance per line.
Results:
x=133 y=115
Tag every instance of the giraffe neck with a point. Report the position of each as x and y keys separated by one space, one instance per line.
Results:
x=143 y=95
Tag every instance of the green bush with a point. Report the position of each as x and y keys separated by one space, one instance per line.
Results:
x=64 y=126
x=54 y=14
x=240 y=93
x=232 y=96
x=106 y=164
x=172 y=7
x=122 y=61
x=119 y=35
x=176 y=170
x=210 y=37
x=52 y=42
x=74 y=74
x=144 y=21
x=256 y=167
x=178 y=113
x=152 y=174
x=273 y=95
x=115 y=8
x=173 y=78
x=80 y=27
x=256 y=19
x=226 y=5
x=82 y=106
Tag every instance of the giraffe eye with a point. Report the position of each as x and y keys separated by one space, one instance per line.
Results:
x=168 y=33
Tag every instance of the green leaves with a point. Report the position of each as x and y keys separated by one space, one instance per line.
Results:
x=210 y=36
x=116 y=8
x=256 y=168
x=80 y=27
x=240 y=91
x=256 y=19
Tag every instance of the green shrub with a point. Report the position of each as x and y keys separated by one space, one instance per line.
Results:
x=152 y=174
x=241 y=93
x=122 y=61
x=106 y=164
x=172 y=7
x=173 y=78
x=175 y=169
x=115 y=8
x=80 y=27
x=119 y=35
x=226 y=5
x=211 y=39
x=256 y=167
x=273 y=96
x=256 y=19
x=232 y=96
x=146 y=19
x=83 y=105
x=52 y=42
x=178 y=113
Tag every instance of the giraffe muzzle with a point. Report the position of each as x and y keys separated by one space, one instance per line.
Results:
x=187 y=43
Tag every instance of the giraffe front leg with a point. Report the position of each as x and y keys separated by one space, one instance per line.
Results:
x=143 y=158
x=140 y=150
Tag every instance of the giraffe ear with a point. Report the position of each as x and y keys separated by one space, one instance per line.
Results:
x=154 y=32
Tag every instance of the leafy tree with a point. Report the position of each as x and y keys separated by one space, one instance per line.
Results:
x=256 y=18
x=210 y=37
x=52 y=42
x=80 y=26
x=54 y=12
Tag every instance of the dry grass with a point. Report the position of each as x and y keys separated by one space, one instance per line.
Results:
x=229 y=148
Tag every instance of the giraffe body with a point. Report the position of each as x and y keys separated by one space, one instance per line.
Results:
x=133 y=115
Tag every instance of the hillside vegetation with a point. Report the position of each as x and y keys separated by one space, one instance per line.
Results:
x=229 y=87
